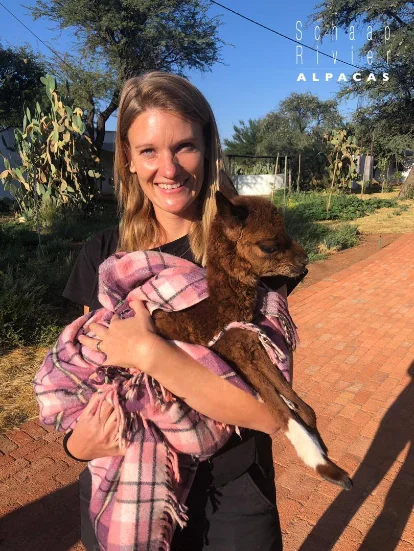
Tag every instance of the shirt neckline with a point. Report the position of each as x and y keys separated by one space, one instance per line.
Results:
x=178 y=241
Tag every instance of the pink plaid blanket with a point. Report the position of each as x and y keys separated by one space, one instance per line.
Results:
x=138 y=499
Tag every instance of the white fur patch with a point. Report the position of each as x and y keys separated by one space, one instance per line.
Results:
x=305 y=444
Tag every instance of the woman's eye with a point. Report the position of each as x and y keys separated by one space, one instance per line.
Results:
x=149 y=150
x=267 y=249
x=187 y=145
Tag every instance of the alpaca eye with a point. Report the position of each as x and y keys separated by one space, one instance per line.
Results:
x=267 y=249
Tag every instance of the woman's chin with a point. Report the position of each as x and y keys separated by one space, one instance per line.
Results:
x=175 y=203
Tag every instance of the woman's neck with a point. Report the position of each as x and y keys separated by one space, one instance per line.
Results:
x=174 y=227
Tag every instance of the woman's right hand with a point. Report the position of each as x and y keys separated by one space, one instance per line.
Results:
x=95 y=434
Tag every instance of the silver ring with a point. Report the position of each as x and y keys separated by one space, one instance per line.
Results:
x=98 y=347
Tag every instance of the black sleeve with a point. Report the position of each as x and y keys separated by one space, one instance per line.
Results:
x=81 y=285
x=275 y=282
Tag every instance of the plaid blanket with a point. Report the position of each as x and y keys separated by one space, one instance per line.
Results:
x=138 y=499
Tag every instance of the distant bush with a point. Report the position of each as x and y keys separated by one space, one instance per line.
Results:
x=24 y=308
x=343 y=207
x=317 y=239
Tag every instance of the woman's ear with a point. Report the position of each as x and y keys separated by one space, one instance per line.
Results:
x=129 y=163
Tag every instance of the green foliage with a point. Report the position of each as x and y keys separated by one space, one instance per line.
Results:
x=342 y=152
x=20 y=72
x=389 y=114
x=344 y=236
x=295 y=129
x=32 y=278
x=258 y=167
x=125 y=38
x=245 y=138
x=315 y=238
x=22 y=308
x=343 y=207
x=58 y=162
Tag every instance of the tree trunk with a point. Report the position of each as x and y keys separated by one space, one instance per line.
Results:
x=298 y=178
x=407 y=185
x=90 y=117
x=102 y=118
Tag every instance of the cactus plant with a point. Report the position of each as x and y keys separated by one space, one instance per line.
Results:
x=58 y=161
x=341 y=155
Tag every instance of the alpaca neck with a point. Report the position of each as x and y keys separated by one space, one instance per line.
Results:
x=232 y=286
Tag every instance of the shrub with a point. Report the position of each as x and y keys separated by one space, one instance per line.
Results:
x=317 y=239
x=32 y=279
x=343 y=207
x=24 y=308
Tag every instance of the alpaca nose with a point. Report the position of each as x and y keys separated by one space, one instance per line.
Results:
x=302 y=260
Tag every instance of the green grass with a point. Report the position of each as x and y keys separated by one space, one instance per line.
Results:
x=32 y=278
x=343 y=207
x=318 y=239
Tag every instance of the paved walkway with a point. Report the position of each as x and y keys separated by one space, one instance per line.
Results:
x=355 y=366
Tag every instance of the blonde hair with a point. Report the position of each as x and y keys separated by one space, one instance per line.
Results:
x=139 y=228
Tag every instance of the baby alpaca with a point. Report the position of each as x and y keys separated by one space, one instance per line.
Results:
x=248 y=241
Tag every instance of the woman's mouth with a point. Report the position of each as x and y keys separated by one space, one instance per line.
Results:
x=171 y=188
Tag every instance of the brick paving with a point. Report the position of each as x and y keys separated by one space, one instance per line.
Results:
x=355 y=367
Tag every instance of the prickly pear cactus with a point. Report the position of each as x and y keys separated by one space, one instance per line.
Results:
x=58 y=162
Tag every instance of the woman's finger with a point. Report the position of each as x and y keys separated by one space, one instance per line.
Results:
x=92 y=405
x=105 y=411
x=138 y=307
x=112 y=421
x=90 y=342
x=98 y=329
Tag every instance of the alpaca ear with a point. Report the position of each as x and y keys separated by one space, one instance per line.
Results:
x=233 y=215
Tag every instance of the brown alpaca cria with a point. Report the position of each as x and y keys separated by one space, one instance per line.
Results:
x=248 y=241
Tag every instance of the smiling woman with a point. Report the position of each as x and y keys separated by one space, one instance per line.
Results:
x=166 y=153
x=166 y=135
x=167 y=170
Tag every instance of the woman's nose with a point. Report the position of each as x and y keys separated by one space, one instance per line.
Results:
x=169 y=165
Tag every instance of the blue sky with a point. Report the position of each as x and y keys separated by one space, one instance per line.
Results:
x=260 y=68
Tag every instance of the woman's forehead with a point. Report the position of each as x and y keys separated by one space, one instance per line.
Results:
x=158 y=124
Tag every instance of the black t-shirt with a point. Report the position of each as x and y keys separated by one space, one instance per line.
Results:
x=237 y=456
x=82 y=286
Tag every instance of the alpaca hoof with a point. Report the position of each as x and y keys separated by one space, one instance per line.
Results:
x=335 y=475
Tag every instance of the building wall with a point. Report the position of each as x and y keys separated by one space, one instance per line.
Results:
x=258 y=184
x=13 y=158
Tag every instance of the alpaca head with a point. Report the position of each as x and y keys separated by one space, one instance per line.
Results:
x=257 y=232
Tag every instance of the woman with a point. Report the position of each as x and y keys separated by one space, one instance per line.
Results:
x=167 y=163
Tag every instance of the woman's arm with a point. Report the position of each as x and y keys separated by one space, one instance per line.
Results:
x=133 y=343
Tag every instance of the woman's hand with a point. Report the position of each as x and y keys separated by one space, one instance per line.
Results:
x=95 y=434
x=127 y=343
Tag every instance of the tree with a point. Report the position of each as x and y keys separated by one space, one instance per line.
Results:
x=296 y=129
x=390 y=109
x=245 y=138
x=130 y=37
x=20 y=72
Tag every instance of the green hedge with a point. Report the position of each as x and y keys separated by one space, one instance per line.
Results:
x=343 y=207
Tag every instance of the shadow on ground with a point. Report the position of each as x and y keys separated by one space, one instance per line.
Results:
x=48 y=524
x=395 y=432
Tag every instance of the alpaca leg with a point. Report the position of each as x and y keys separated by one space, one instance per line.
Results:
x=307 y=443
x=260 y=362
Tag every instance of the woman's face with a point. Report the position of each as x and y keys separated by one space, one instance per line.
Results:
x=166 y=152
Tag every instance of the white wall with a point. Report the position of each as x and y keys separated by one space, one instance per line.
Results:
x=14 y=158
x=258 y=184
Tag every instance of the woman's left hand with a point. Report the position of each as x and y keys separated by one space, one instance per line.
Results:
x=127 y=343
